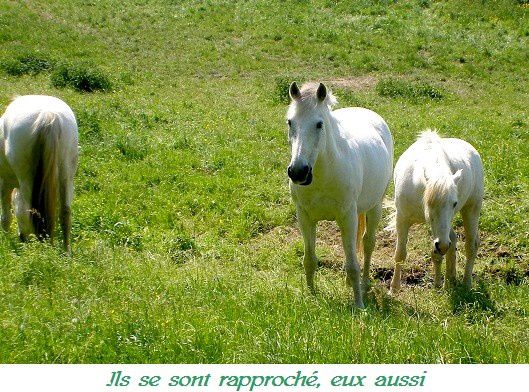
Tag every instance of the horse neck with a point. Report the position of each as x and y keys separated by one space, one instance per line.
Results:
x=436 y=163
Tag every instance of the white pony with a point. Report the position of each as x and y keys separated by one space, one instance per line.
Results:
x=434 y=179
x=38 y=156
x=340 y=167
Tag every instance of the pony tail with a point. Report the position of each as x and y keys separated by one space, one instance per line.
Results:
x=360 y=232
x=45 y=181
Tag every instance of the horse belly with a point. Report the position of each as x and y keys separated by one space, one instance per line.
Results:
x=322 y=205
x=326 y=210
x=377 y=175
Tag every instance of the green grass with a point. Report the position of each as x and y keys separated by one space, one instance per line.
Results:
x=31 y=64
x=80 y=77
x=395 y=88
x=184 y=241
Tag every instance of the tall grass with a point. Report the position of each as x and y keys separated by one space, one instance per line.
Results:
x=185 y=244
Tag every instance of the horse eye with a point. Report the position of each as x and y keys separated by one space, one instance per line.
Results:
x=455 y=204
x=319 y=124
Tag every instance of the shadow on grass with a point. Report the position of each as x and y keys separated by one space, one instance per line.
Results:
x=378 y=298
x=472 y=302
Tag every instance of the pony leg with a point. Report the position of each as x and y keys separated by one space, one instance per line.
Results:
x=6 y=192
x=66 y=196
x=470 y=223
x=372 y=219
x=450 y=273
x=349 y=228
x=310 y=261
x=400 y=253
x=22 y=202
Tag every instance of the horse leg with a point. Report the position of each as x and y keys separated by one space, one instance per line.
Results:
x=372 y=219
x=403 y=228
x=22 y=209
x=450 y=273
x=348 y=229
x=65 y=197
x=470 y=217
x=6 y=192
x=310 y=261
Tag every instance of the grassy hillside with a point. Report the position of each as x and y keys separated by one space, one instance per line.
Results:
x=185 y=241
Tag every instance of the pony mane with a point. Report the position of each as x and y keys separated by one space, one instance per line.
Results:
x=436 y=189
x=429 y=136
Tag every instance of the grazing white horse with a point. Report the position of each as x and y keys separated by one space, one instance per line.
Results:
x=434 y=179
x=340 y=167
x=38 y=156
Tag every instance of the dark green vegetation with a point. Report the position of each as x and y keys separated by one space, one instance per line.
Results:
x=26 y=64
x=185 y=247
x=80 y=78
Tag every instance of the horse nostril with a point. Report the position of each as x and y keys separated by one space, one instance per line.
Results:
x=289 y=171
x=298 y=173
x=436 y=244
x=449 y=244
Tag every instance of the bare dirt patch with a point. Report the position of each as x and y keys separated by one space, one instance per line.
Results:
x=357 y=83
x=417 y=270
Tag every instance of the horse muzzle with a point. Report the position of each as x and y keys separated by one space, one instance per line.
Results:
x=300 y=175
x=441 y=248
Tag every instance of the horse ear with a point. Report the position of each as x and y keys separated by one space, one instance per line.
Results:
x=457 y=176
x=322 y=92
x=293 y=91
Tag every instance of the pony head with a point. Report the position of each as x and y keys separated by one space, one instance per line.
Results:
x=440 y=205
x=307 y=119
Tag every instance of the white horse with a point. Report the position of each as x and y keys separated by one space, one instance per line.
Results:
x=38 y=156
x=341 y=166
x=434 y=179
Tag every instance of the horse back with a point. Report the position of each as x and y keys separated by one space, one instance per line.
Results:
x=462 y=155
x=364 y=126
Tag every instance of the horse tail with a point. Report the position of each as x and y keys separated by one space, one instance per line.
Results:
x=392 y=221
x=360 y=232
x=45 y=182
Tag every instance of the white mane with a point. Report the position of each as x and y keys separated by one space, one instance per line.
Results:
x=429 y=136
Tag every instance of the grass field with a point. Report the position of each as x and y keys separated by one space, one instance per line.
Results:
x=185 y=240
